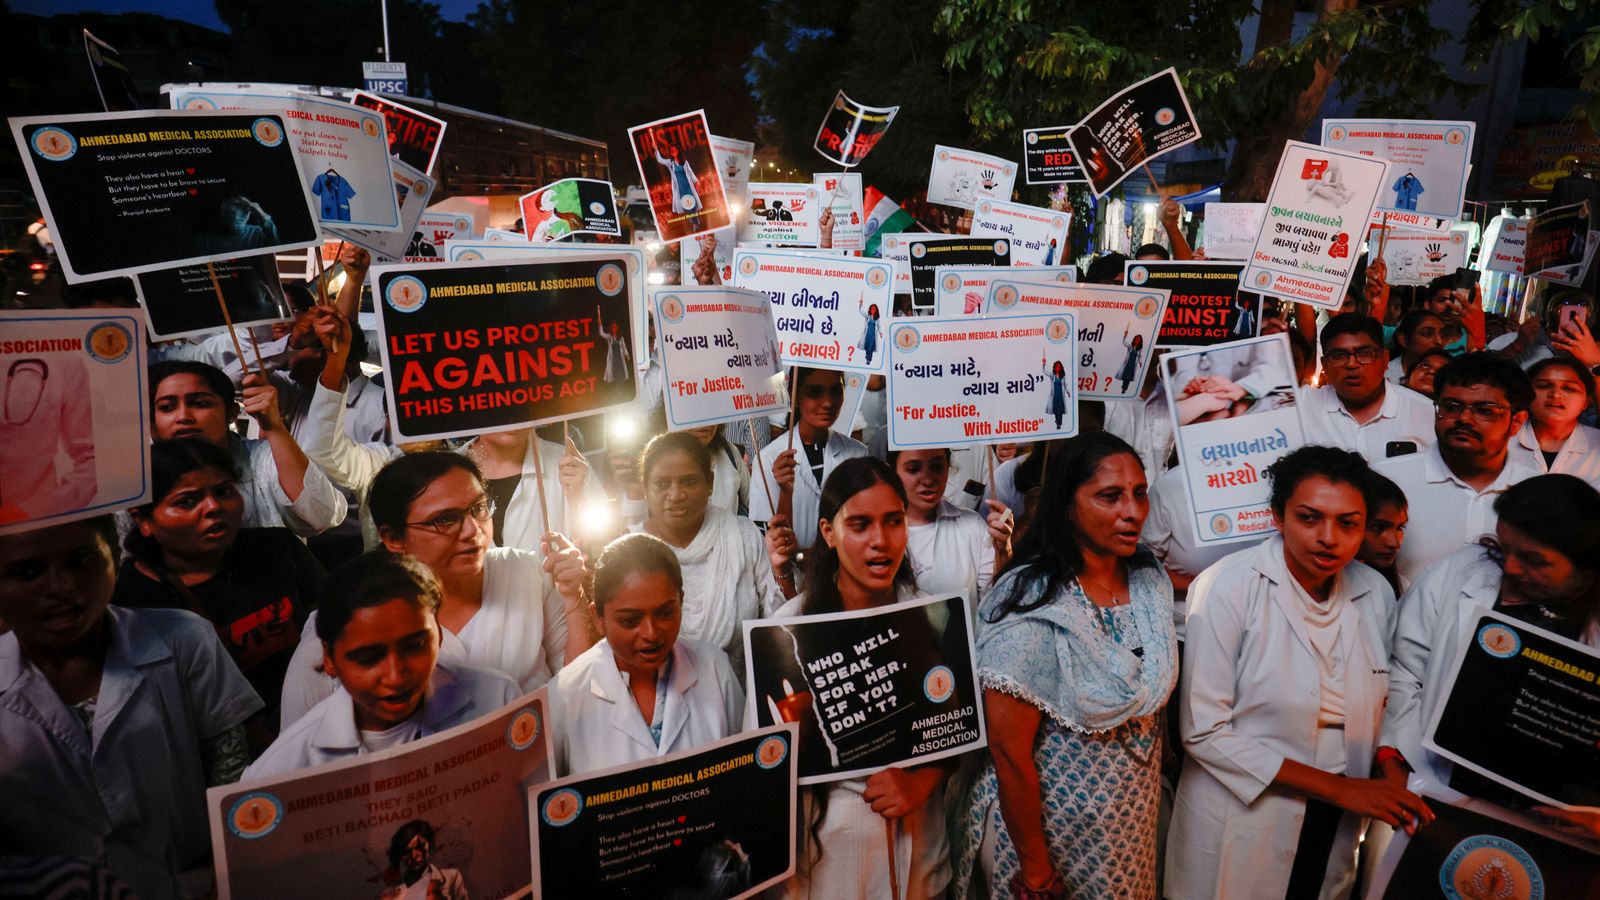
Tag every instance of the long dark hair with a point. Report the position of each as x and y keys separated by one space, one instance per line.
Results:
x=848 y=479
x=169 y=462
x=1049 y=548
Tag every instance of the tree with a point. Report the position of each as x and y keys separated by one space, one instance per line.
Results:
x=1044 y=62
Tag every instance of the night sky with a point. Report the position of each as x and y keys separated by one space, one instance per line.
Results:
x=200 y=12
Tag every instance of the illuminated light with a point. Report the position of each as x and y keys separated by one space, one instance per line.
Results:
x=1151 y=208
x=597 y=518
x=652 y=246
x=657 y=278
x=622 y=426
x=735 y=208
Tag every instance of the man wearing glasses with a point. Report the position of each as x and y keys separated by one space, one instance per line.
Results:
x=1355 y=408
x=1451 y=487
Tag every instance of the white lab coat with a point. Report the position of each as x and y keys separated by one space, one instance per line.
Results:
x=1578 y=457
x=596 y=724
x=1250 y=698
x=807 y=490
x=525 y=525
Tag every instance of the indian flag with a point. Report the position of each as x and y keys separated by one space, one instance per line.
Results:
x=884 y=216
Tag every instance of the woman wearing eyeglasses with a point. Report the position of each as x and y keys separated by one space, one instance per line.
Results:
x=819 y=396
x=501 y=608
x=1552 y=441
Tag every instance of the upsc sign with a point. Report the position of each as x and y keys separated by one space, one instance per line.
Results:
x=384 y=77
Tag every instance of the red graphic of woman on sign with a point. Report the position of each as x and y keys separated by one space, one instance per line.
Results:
x=1341 y=246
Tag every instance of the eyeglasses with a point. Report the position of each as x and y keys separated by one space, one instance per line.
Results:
x=1480 y=412
x=449 y=522
x=1363 y=355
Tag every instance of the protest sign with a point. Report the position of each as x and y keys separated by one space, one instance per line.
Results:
x=344 y=154
x=782 y=213
x=478 y=347
x=140 y=191
x=502 y=236
x=183 y=302
x=1231 y=229
x=414 y=136
x=1521 y=709
x=1038 y=236
x=433 y=232
x=1429 y=160
x=1116 y=328
x=1483 y=852
x=850 y=130
x=1572 y=276
x=567 y=207
x=681 y=175
x=890 y=686
x=1234 y=409
x=927 y=252
x=855 y=391
x=810 y=297
x=719 y=355
x=963 y=177
x=714 y=822
x=841 y=194
x=112 y=80
x=1418 y=257
x=1556 y=238
x=734 y=158
x=964 y=290
x=342 y=829
x=74 y=416
x=1414 y=221
x=707 y=259
x=1048 y=158
x=1138 y=124
x=412 y=190
x=1504 y=245
x=963 y=381
x=1310 y=236
x=473 y=251
x=1205 y=306
x=894 y=249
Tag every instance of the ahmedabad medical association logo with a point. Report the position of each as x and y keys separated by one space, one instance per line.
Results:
x=749 y=266
x=1005 y=296
x=939 y=684
x=878 y=276
x=1138 y=275
x=523 y=729
x=1336 y=133
x=562 y=807
x=1146 y=306
x=1001 y=248
x=267 y=132
x=1057 y=331
x=1499 y=641
x=108 y=342
x=406 y=294
x=596 y=208
x=671 y=309
x=772 y=751
x=1165 y=116
x=907 y=338
x=609 y=279
x=53 y=143
x=1455 y=136
x=1489 y=866
x=1263 y=279
x=1032 y=138
x=950 y=283
x=1221 y=524
x=984 y=207
x=469 y=256
x=255 y=815
x=918 y=251
x=370 y=128
x=198 y=103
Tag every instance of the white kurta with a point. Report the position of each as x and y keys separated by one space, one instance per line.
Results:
x=318 y=508
x=596 y=724
x=520 y=631
x=730 y=484
x=953 y=553
x=1249 y=700
x=525 y=524
x=1169 y=532
x=1146 y=424
x=1405 y=415
x=807 y=490
x=1578 y=457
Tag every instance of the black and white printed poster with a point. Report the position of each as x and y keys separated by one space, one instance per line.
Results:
x=112 y=80
x=891 y=686
x=133 y=192
x=714 y=823
x=1140 y=123
x=850 y=130
x=929 y=252
x=1048 y=157
x=478 y=347
x=1523 y=709
x=182 y=302
x=1206 y=306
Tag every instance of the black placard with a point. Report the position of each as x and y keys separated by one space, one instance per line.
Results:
x=929 y=252
x=714 y=823
x=1048 y=158
x=891 y=686
x=1556 y=238
x=182 y=302
x=414 y=136
x=1524 y=710
x=138 y=191
x=1137 y=125
x=112 y=80
x=1470 y=854
x=470 y=348
x=849 y=131
x=1206 y=306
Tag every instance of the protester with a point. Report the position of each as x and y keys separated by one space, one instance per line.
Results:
x=377 y=623
x=256 y=586
x=950 y=548
x=113 y=721
x=859 y=562
x=280 y=485
x=1419 y=376
x=1552 y=441
x=1417 y=334
x=644 y=690
x=511 y=479
x=512 y=611
x=1461 y=310
x=1451 y=486
x=727 y=576
x=731 y=487
x=1387 y=518
x=1076 y=655
x=1282 y=696
x=1169 y=533
x=1356 y=408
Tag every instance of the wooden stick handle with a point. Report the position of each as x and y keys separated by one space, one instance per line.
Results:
x=227 y=319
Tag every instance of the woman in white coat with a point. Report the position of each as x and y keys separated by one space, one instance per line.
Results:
x=819 y=396
x=644 y=691
x=950 y=548
x=1285 y=673
x=511 y=478
x=731 y=488
x=1553 y=441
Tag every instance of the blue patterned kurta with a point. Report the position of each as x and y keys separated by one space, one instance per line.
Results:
x=1100 y=786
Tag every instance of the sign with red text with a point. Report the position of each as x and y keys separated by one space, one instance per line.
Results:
x=1048 y=157
x=333 y=826
x=1138 y=124
x=719 y=355
x=964 y=381
x=414 y=191
x=1418 y=257
x=414 y=136
x=478 y=347
x=782 y=213
x=1504 y=245
x=850 y=130
x=1038 y=236
x=817 y=324
x=927 y=253
x=1116 y=328
x=569 y=207
x=841 y=194
x=964 y=290
x=1556 y=238
x=1205 y=305
x=681 y=176
x=433 y=231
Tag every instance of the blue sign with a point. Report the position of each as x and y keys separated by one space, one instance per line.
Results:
x=384 y=77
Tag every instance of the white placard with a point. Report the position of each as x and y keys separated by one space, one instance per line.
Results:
x=963 y=177
x=829 y=311
x=1117 y=328
x=841 y=192
x=782 y=213
x=1231 y=229
x=433 y=232
x=1429 y=160
x=719 y=355
x=1418 y=257
x=964 y=290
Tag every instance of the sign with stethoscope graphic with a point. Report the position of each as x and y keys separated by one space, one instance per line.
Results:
x=74 y=422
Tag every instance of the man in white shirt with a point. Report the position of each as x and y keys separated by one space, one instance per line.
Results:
x=1451 y=487
x=1355 y=408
